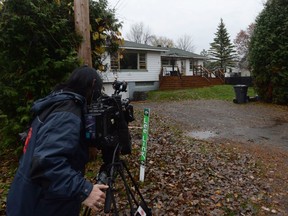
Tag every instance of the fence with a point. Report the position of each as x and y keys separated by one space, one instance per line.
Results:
x=239 y=81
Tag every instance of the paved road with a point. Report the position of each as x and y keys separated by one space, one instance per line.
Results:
x=221 y=121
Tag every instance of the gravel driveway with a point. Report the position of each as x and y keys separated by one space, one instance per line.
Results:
x=224 y=121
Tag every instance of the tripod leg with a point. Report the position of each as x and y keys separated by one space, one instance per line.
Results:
x=120 y=168
x=114 y=204
x=109 y=194
x=110 y=197
x=143 y=203
x=129 y=193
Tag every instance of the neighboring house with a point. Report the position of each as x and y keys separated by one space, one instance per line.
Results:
x=238 y=72
x=235 y=71
x=140 y=66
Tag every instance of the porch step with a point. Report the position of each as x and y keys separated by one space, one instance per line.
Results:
x=175 y=82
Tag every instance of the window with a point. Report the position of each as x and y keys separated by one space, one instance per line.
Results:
x=142 y=61
x=165 y=62
x=129 y=61
x=191 y=64
x=194 y=64
x=114 y=62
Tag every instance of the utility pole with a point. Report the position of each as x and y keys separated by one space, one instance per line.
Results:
x=82 y=26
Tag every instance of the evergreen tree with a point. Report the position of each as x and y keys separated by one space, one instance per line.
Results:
x=221 y=49
x=268 y=52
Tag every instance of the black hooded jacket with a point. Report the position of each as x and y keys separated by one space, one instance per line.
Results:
x=50 y=175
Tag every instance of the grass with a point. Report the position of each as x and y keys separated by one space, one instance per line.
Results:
x=218 y=92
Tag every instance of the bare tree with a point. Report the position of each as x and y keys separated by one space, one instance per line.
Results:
x=161 y=41
x=139 y=33
x=241 y=43
x=185 y=42
x=242 y=40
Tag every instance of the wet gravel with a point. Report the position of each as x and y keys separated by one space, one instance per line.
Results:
x=219 y=121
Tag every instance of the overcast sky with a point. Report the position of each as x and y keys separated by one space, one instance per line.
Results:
x=196 y=18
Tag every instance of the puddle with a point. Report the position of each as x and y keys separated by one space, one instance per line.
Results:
x=201 y=134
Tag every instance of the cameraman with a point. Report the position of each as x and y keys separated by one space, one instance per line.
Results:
x=50 y=177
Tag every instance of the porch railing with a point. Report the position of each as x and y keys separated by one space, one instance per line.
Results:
x=170 y=71
x=199 y=70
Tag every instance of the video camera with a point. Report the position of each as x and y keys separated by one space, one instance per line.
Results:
x=106 y=127
x=106 y=122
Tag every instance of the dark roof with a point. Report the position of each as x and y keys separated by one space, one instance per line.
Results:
x=166 y=52
x=175 y=52
x=138 y=46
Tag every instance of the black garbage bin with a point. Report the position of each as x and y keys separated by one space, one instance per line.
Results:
x=241 y=93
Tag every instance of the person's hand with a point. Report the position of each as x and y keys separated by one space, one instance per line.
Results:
x=96 y=198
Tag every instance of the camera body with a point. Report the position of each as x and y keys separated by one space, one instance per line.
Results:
x=106 y=127
x=106 y=121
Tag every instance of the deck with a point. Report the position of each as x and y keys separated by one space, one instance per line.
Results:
x=176 y=82
x=200 y=78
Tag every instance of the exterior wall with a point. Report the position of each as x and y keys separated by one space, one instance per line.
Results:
x=238 y=72
x=178 y=64
x=153 y=62
x=132 y=87
x=245 y=73
x=196 y=63
x=188 y=72
x=149 y=78
x=142 y=87
x=200 y=62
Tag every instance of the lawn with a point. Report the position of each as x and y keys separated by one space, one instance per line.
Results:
x=221 y=92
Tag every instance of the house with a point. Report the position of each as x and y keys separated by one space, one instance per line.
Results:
x=139 y=66
x=142 y=66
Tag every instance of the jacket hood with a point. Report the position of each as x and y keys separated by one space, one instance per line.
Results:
x=54 y=97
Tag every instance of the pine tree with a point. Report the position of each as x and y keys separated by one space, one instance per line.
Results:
x=268 y=52
x=222 y=49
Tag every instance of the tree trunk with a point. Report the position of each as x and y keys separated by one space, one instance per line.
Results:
x=82 y=26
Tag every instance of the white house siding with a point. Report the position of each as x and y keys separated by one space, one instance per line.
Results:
x=245 y=73
x=149 y=77
x=201 y=62
x=188 y=72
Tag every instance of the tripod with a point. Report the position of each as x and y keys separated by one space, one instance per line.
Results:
x=119 y=168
